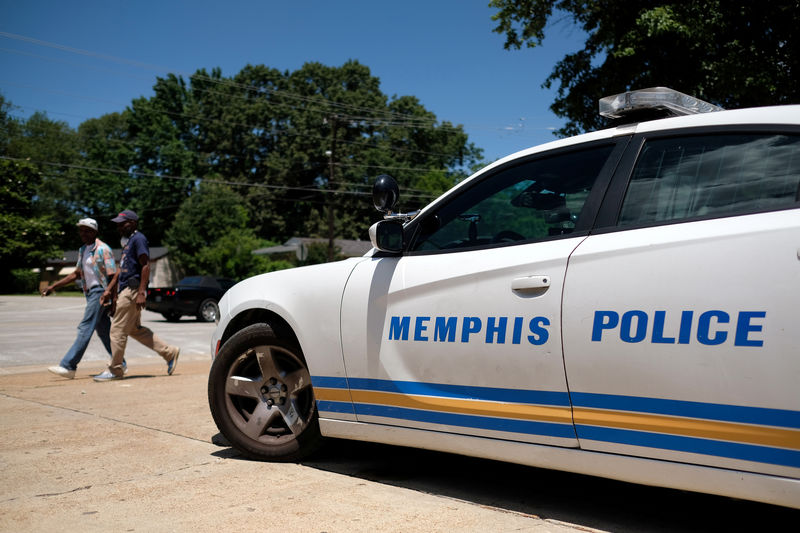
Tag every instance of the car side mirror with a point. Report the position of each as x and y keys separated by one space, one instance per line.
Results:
x=385 y=193
x=387 y=236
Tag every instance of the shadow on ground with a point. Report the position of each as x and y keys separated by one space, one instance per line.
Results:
x=573 y=498
x=577 y=499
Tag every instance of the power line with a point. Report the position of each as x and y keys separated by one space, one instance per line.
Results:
x=390 y=117
x=106 y=57
x=382 y=116
x=64 y=93
x=135 y=174
x=208 y=155
x=227 y=122
x=81 y=51
x=81 y=65
x=285 y=132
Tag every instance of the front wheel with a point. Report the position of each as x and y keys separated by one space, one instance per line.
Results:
x=260 y=394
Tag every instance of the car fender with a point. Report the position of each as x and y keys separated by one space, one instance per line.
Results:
x=307 y=298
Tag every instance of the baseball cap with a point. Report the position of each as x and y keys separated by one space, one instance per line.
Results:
x=88 y=222
x=127 y=214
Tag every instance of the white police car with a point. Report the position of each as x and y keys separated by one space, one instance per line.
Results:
x=622 y=303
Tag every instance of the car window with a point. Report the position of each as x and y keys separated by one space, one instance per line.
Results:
x=533 y=200
x=199 y=281
x=717 y=175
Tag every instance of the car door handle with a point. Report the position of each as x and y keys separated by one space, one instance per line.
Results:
x=530 y=283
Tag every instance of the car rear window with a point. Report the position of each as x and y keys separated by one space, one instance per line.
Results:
x=191 y=281
x=712 y=176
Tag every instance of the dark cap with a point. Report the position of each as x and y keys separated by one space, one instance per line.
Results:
x=125 y=215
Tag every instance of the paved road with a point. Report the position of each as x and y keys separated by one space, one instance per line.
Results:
x=36 y=330
x=136 y=455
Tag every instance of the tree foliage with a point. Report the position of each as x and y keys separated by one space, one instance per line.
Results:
x=210 y=225
x=9 y=128
x=734 y=54
x=104 y=144
x=28 y=236
x=215 y=165
x=305 y=142
x=52 y=149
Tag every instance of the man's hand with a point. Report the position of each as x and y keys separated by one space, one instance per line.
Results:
x=140 y=300
x=108 y=300
x=60 y=283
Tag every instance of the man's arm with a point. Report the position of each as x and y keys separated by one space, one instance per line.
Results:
x=141 y=295
x=108 y=294
x=75 y=274
x=109 y=265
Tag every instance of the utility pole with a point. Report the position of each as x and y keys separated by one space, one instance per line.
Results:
x=332 y=162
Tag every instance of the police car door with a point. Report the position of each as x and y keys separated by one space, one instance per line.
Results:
x=463 y=330
x=681 y=337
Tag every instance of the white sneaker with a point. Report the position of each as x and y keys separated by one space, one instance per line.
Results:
x=61 y=371
x=106 y=376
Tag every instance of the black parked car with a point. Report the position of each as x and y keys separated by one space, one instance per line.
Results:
x=194 y=295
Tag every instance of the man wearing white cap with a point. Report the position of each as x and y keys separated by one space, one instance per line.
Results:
x=95 y=267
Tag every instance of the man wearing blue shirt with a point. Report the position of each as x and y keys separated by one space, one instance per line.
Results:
x=129 y=287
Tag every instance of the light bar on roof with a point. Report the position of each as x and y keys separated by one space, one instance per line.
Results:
x=654 y=98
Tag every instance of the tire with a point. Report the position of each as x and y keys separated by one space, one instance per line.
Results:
x=260 y=395
x=171 y=316
x=208 y=311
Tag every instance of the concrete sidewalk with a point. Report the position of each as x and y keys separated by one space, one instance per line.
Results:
x=136 y=455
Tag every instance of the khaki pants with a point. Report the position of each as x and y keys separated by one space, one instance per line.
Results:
x=127 y=322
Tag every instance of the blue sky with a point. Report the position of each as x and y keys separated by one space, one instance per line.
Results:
x=98 y=55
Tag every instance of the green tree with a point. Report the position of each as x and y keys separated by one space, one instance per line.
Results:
x=286 y=135
x=163 y=162
x=8 y=125
x=300 y=149
x=103 y=187
x=432 y=184
x=210 y=235
x=231 y=255
x=734 y=54
x=51 y=147
x=27 y=236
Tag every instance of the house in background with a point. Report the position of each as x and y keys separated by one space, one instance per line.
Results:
x=299 y=247
x=162 y=272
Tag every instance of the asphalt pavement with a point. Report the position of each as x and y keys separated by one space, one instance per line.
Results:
x=39 y=330
x=137 y=455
